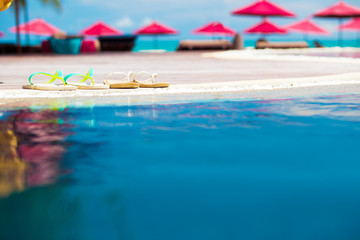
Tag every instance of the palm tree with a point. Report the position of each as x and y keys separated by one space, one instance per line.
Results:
x=23 y=3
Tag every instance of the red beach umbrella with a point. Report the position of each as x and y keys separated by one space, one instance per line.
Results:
x=266 y=27
x=306 y=26
x=263 y=8
x=339 y=10
x=155 y=28
x=2 y=34
x=214 y=28
x=352 y=25
x=100 y=28
x=37 y=27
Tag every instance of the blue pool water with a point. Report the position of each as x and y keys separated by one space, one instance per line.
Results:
x=226 y=169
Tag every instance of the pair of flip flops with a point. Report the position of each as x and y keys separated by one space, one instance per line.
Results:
x=126 y=82
x=65 y=86
x=129 y=80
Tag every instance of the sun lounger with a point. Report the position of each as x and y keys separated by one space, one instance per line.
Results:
x=280 y=45
x=117 y=43
x=9 y=48
x=6 y=48
x=204 y=45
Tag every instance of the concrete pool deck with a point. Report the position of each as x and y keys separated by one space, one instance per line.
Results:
x=187 y=72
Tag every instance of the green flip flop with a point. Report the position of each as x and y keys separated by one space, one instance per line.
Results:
x=83 y=84
x=49 y=86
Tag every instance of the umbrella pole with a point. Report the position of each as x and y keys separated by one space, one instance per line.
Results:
x=264 y=35
x=155 y=41
x=340 y=33
x=18 y=46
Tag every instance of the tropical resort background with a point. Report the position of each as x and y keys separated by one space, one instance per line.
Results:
x=261 y=146
x=327 y=22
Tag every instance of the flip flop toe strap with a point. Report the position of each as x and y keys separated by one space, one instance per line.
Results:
x=151 y=78
x=126 y=76
x=58 y=75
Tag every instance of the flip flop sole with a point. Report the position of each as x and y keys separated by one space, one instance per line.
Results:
x=154 y=85
x=50 y=87
x=90 y=87
x=126 y=85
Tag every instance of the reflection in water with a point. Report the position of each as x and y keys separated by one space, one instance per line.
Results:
x=12 y=169
x=31 y=146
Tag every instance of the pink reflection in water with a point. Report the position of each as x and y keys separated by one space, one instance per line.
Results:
x=37 y=145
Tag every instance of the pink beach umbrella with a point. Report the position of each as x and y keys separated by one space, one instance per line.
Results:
x=100 y=28
x=214 y=28
x=352 y=25
x=155 y=28
x=264 y=8
x=37 y=27
x=339 y=10
x=266 y=28
x=306 y=26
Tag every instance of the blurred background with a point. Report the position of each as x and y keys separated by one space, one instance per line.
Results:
x=127 y=16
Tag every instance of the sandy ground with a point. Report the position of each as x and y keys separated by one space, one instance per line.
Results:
x=188 y=73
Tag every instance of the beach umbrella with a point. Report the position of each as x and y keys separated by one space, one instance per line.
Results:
x=264 y=8
x=36 y=27
x=2 y=34
x=100 y=28
x=155 y=28
x=352 y=25
x=265 y=28
x=339 y=10
x=214 y=28
x=306 y=26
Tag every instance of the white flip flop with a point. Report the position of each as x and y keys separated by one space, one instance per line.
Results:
x=122 y=83
x=150 y=82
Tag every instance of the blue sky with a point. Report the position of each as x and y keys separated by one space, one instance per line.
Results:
x=184 y=15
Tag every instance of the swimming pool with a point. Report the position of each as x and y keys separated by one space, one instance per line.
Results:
x=225 y=169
